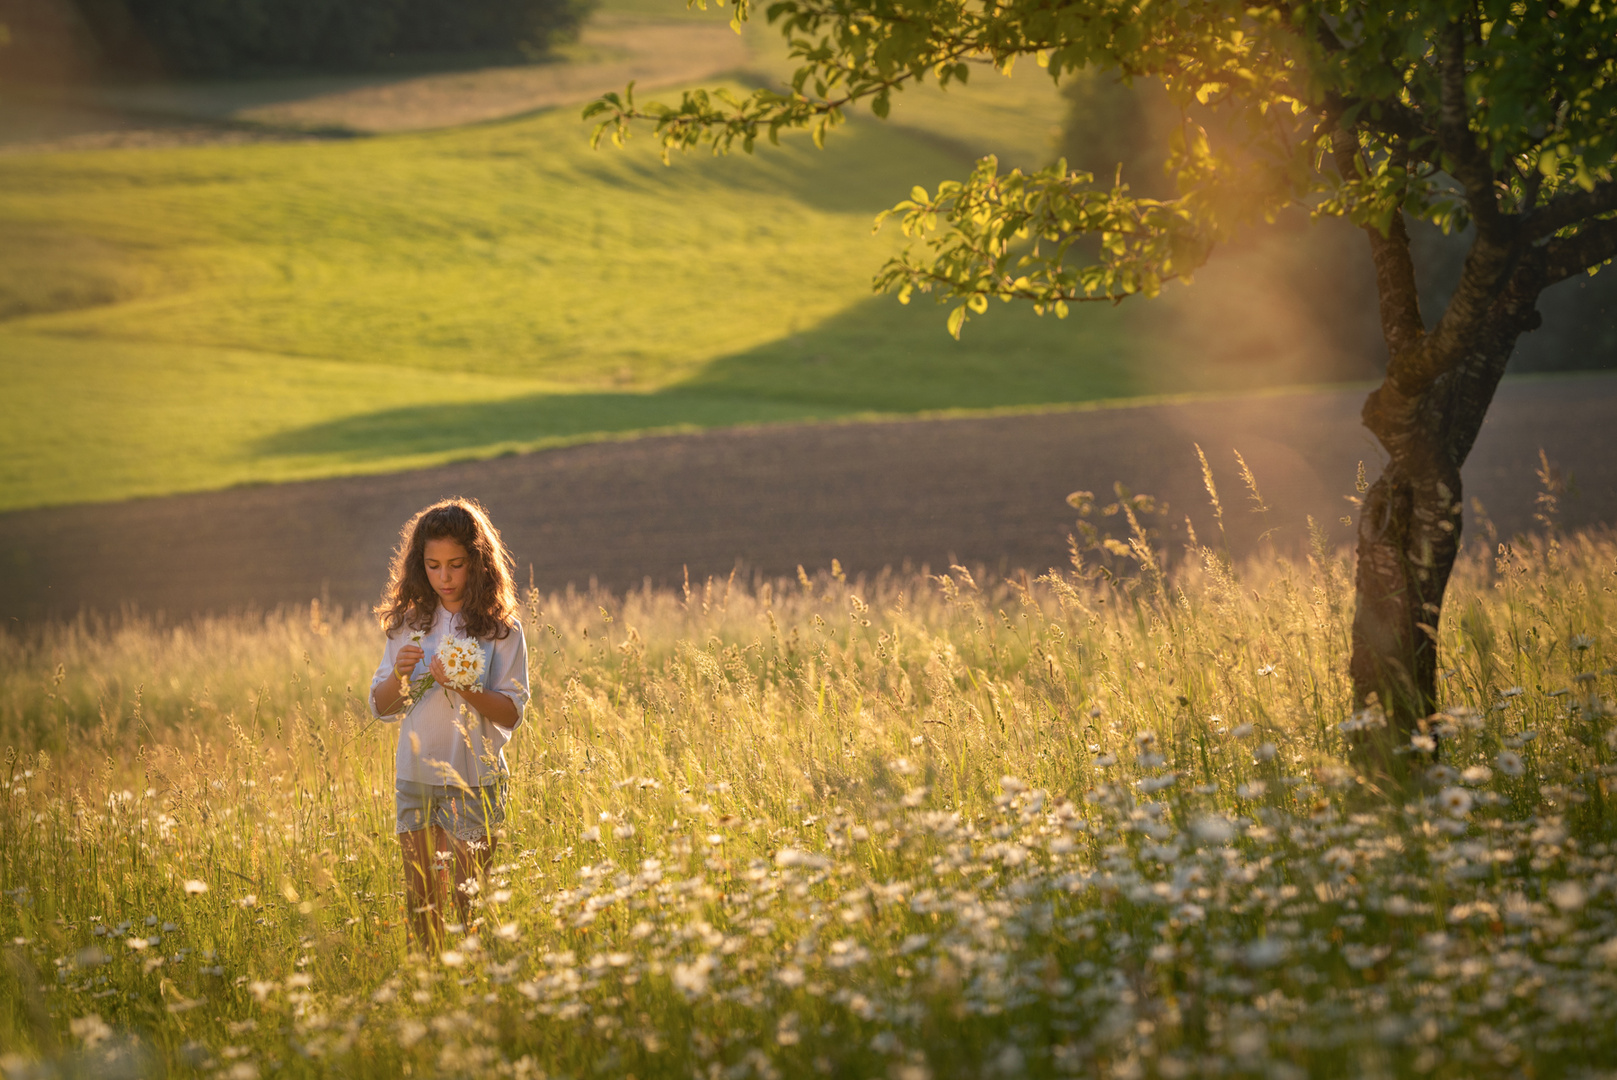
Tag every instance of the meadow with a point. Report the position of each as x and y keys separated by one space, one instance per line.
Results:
x=193 y=317
x=1094 y=824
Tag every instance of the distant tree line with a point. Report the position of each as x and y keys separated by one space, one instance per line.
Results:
x=217 y=37
x=1321 y=271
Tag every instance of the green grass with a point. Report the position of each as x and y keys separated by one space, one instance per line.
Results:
x=190 y=318
x=918 y=828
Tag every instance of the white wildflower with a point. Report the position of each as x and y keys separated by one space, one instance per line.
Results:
x=1454 y=801
x=1477 y=774
x=1567 y=895
x=1367 y=719
x=1359 y=957
x=1510 y=763
x=1213 y=829
x=89 y=1029
x=885 y=1042
x=787 y=858
x=463 y=661
x=1266 y=952
x=195 y=888
x=693 y=977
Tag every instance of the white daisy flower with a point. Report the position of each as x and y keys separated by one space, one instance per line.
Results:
x=1454 y=801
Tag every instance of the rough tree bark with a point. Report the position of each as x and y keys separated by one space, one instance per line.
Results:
x=1428 y=411
x=1426 y=415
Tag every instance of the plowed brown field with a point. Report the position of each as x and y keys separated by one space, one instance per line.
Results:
x=980 y=490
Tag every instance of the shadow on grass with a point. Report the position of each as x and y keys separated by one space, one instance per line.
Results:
x=539 y=418
x=877 y=356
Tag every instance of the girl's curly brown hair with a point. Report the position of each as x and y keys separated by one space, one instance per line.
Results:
x=491 y=596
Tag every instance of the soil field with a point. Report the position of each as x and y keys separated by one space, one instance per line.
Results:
x=980 y=490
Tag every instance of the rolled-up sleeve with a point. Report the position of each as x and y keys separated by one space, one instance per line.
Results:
x=383 y=670
x=508 y=669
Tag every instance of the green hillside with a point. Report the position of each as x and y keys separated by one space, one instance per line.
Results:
x=195 y=317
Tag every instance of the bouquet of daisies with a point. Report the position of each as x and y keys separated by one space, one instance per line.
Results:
x=463 y=661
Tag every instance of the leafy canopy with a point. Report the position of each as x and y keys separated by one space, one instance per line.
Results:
x=1498 y=113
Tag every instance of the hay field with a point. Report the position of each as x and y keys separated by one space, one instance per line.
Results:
x=1096 y=825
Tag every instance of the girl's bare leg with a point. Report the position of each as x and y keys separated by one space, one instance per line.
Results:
x=470 y=865
x=421 y=892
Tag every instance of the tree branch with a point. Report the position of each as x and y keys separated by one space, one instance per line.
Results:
x=1589 y=247
x=1569 y=209
x=1468 y=163
x=1396 y=291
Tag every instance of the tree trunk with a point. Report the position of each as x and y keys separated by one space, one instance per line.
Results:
x=1409 y=533
x=1427 y=415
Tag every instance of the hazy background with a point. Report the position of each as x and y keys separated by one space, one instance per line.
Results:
x=252 y=242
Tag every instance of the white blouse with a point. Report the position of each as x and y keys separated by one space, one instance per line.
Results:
x=442 y=740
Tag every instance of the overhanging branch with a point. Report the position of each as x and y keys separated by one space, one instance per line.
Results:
x=1589 y=247
x=1569 y=209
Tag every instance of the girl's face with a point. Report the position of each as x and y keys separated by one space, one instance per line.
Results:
x=447 y=564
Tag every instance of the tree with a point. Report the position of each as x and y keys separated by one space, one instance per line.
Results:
x=248 y=36
x=1498 y=114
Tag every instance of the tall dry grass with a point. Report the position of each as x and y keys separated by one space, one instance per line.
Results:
x=910 y=826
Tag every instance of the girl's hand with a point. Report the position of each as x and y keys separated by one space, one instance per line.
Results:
x=438 y=672
x=408 y=658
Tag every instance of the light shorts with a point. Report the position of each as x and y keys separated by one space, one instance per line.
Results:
x=464 y=813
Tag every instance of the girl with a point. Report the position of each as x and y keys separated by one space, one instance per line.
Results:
x=451 y=576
